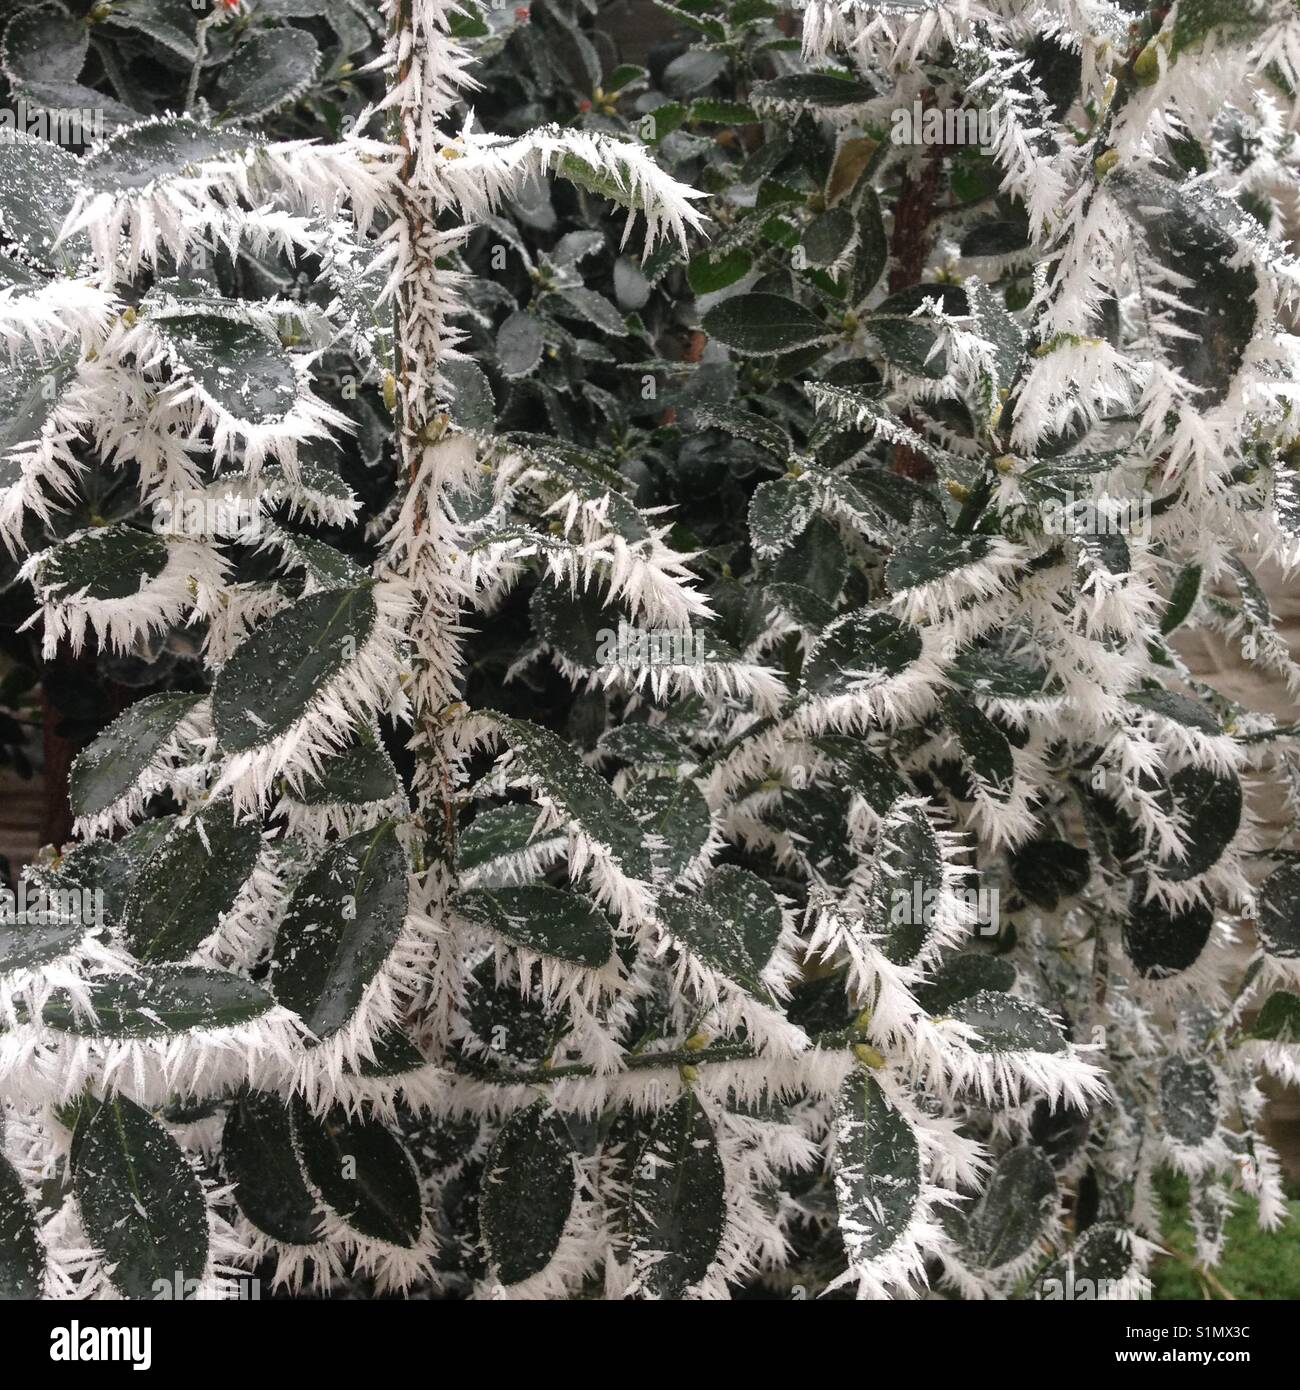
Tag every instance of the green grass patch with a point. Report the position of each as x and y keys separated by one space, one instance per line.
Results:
x=1256 y=1264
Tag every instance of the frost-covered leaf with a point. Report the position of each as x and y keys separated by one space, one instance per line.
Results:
x=496 y=833
x=1101 y=1259
x=642 y=744
x=36 y=193
x=1277 y=919
x=764 y=325
x=1007 y=1024
x=745 y=424
x=732 y=923
x=26 y=946
x=583 y=795
x=236 y=365
x=861 y=648
x=827 y=236
x=22 y=1256
x=1189 y=1100
x=1182 y=599
x=356 y=776
x=540 y=918
x=909 y=865
x=678 y=815
x=363 y=1173
x=267 y=71
x=528 y=1189
x=473 y=406
x=141 y=1202
x=990 y=319
x=1161 y=943
x=907 y=342
x=778 y=511
x=677 y=1207
x=1189 y=236
x=189 y=883
x=877 y=1170
x=29 y=391
x=931 y=555
x=110 y=562
x=1210 y=807
x=984 y=747
x=170 y=23
x=258 y=1154
x=1014 y=1210
x=139 y=155
x=44 y=44
x=162 y=999
x=819 y=89
x=1182 y=709
x=594 y=308
x=962 y=975
x=267 y=685
x=343 y=921
x=520 y=341
x=109 y=767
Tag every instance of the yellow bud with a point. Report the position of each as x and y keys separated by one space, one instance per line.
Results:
x=956 y=490
x=390 y=390
x=129 y=317
x=1146 y=66
x=1104 y=163
x=868 y=1056
x=696 y=1041
x=1004 y=463
x=690 y=1075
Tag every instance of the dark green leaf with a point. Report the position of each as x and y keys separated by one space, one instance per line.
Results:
x=1189 y=1100
x=189 y=883
x=344 y=919
x=877 y=1169
x=270 y=69
x=540 y=918
x=678 y=1203
x=764 y=325
x=238 y=366
x=1014 y=1210
x=1278 y=917
x=259 y=1157
x=1007 y=1024
x=141 y=1202
x=110 y=562
x=282 y=665
x=110 y=766
x=528 y=1189
x=22 y=1256
x=732 y=923
x=363 y=1173
x=160 y=1000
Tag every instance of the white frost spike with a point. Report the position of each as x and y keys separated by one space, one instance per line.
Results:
x=366 y=687
x=120 y=623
